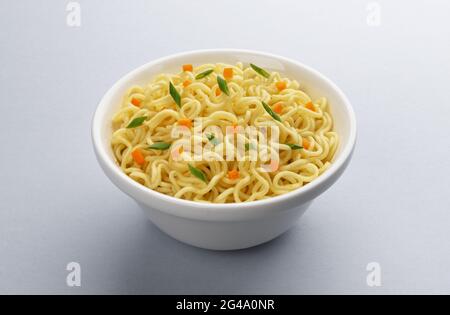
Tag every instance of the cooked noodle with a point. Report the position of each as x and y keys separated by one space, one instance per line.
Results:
x=307 y=142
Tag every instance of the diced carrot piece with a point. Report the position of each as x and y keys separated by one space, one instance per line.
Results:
x=176 y=152
x=188 y=67
x=185 y=122
x=281 y=85
x=218 y=92
x=186 y=83
x=138 y=156
x=234 y=174
x=305 y=143
x=228 y=73
x=278 y=108
x=310 y=106
x=274 y=166
x=136 y=102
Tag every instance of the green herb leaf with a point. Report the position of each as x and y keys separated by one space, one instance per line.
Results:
x=137 y=122
x=260 y=71
x=294 y=146
x=175 y=95
x=197 y=173
x=204 y=74
x=212 y=138
x=223 y=85
x=271 y=112
x=160 y=146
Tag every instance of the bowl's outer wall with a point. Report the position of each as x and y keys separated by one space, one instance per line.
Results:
x=220 y=235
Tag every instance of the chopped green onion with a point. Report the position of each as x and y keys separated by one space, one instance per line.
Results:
x=260 y=71
x=204 y=74
x=197 y=173
x=294 y=146
x=212 y=138
x=137 y=122
x=175 y=95
x=160 y=146
x=271 y=112
x=223 y=85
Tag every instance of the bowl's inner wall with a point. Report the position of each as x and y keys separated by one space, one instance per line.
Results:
x=311 y=82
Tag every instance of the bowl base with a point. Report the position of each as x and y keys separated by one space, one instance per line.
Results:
x=225 y=235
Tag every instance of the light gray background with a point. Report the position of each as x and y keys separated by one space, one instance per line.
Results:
x=392 y=206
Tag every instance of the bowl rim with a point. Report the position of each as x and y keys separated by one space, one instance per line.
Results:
x=111 y=166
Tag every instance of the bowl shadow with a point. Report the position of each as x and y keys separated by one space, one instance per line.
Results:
x=156 y=263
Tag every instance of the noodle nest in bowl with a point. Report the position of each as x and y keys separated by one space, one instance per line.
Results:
x=223 y=108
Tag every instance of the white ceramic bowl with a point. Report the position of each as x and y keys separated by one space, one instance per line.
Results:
x=225 y=226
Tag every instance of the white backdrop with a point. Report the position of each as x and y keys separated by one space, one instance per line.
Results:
x=391 y=207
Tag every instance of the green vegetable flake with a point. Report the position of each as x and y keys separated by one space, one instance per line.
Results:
x=271 y=112
x=204 y=74
x=294 y=146
x=260 y=71
x=197 y=173
x=223 y=85
x=249 y=146
x=137 y=122
x=212 y=138
x=175 y=95
x=159 y=146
